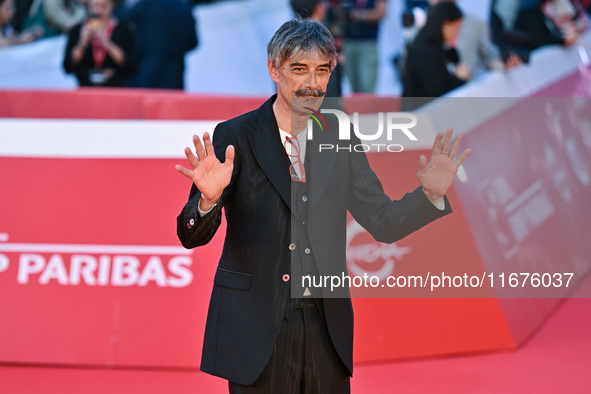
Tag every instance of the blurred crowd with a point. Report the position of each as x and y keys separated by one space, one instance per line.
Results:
x=134 y=43
x=443 y=47
x=142 y=43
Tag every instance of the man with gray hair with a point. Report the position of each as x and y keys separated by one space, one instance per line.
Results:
x=285 y=205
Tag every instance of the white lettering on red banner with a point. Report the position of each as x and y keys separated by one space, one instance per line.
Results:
x=98 y=265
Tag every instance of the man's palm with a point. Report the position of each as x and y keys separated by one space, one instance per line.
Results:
x=437 y=174
x=209 y=175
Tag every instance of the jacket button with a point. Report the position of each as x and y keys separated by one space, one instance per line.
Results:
x=292 y=246
x=307 y=250
x=191 y=223
x=285 y=277
x=305 y=198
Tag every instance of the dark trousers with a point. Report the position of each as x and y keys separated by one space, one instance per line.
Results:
x=304 y=360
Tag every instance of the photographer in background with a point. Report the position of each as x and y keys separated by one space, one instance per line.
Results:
x=99 y=49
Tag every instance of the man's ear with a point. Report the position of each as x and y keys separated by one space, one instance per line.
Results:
x=273 y=71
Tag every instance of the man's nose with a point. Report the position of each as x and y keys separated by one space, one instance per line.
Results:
x=312 y=81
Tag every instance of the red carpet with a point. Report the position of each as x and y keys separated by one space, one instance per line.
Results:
x=557 y=359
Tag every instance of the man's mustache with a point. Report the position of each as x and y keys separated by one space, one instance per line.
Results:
x=309 y=93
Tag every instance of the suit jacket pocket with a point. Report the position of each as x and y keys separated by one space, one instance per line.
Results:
x=232 y=279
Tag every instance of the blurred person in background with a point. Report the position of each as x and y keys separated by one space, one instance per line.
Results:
x=309 y=9
x=414 y=17
x=22 y=10
x=506 y=11
x=56 y=16
x=540 y=28
x=509 y=40
x=431 y=56
x=99 y=49
x=8 y=35
x=568 y=15
x=164 y=31
x=62 y=15
x=473 y=45
x=476 y=49
x=361 y=44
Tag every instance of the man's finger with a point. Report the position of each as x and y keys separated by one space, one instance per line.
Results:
x=184 y=171
x=199 y=148
x=447 y=141
x=230 y=155
x=422 y=163
x=437 y=144
x=456 y=146
x=191 y=157
x=461 y=159
x=208 y=145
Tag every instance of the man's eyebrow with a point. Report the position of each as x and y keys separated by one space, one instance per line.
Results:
x=296 y=64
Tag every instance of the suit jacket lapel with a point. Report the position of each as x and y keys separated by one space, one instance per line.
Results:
x=269 y=151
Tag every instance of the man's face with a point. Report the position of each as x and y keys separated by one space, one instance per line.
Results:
x=303 y=78
x=451 y=30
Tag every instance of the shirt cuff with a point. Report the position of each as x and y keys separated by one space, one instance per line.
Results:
x=440 y=204
x=203 y=213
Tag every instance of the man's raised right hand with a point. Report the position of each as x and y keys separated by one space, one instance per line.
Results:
x=209 y=175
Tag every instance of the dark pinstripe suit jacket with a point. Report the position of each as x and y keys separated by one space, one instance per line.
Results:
x=249 y=298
